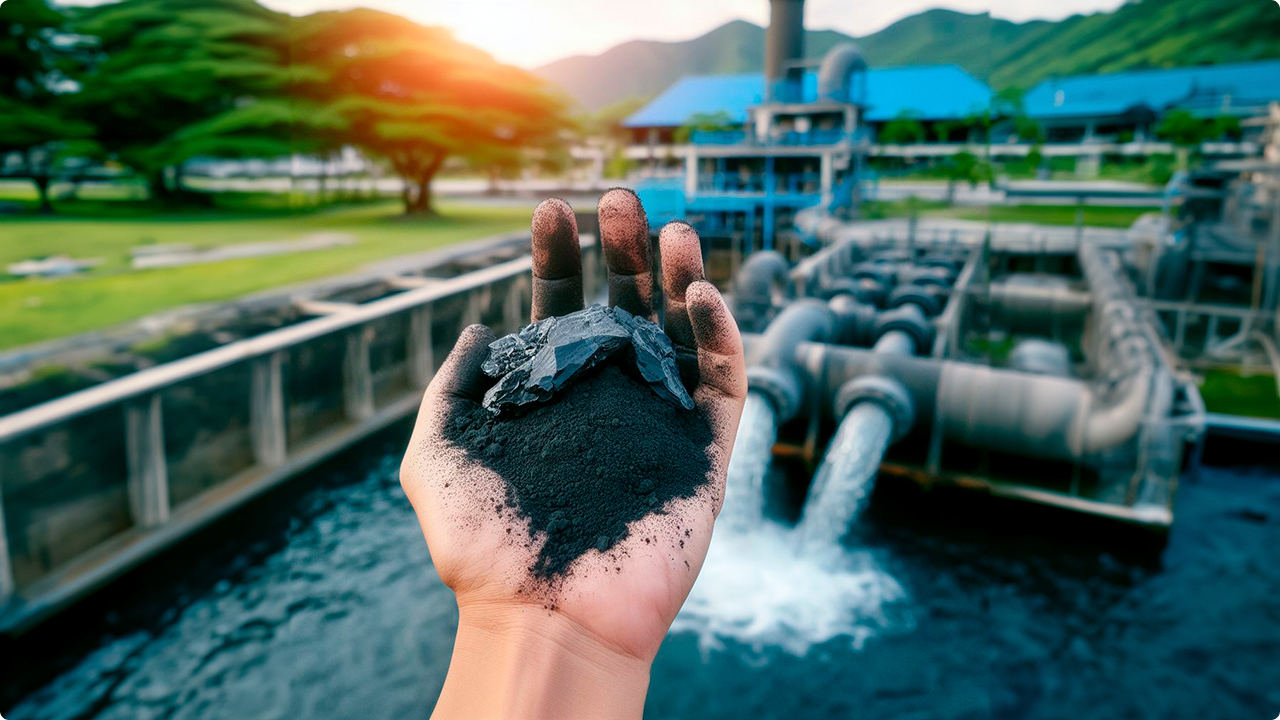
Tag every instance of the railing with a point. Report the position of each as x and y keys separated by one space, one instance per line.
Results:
x=791 y=183
x=94 y=482
x=792 y=138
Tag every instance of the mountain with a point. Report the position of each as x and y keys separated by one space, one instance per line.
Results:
x=1145 y=33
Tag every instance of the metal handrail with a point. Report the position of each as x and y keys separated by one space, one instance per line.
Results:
x=140 y=383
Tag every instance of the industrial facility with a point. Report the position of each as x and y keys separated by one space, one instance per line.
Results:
x=1047 y=365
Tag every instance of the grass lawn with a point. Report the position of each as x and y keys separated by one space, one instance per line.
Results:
x=1096 y=215
x=1230 y=393
x=1100 y=216
x=33 y=310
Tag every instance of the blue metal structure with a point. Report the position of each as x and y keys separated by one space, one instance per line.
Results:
x=800 y=145
x=931 y=92
x=1234 y=89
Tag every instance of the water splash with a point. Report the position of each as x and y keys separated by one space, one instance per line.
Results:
x=759 y=589
x=765 y=585
x=844 y=480
x=752 y=451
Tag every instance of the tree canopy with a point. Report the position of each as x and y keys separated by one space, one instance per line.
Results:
x=170 y=80
x=904 y=129
x=156 y=83
x=417 y=97
x=35 y=124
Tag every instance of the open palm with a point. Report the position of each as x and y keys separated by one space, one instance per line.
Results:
x=628 y=596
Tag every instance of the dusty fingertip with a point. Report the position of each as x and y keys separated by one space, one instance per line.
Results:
x=555 y=240
x=624 y=228
x=713 y=324
x=681 y=257
x=476 y=332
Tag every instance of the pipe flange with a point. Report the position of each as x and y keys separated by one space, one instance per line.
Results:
x=885 y=391
x=910 y=320
x=855 y=320
x=782 y=387
x=873 y=271
x=915 y=294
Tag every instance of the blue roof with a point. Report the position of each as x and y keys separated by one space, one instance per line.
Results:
x=1208 y=88
x=934 y=92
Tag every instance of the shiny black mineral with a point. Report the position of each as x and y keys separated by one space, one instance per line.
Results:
x=540 y=360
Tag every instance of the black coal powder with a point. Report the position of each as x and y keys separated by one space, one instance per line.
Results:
x=605 y=452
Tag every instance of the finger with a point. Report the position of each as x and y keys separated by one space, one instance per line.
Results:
x=624 y=238
x=723 y=372
x=721 y=363
x=681 y=254
x=460 y=376
x=557 y=260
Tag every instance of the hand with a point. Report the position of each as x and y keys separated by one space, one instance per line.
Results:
x=582 y=647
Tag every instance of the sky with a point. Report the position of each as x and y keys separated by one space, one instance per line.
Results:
x=530 y=33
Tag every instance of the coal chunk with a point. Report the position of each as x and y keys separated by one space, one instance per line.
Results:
x=540 y=360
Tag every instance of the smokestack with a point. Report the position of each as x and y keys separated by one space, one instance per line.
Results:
x=784 y=41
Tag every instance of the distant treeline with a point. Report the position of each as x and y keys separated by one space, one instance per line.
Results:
x=151 y=84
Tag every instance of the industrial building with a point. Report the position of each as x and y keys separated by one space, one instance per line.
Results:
x=1126 y=106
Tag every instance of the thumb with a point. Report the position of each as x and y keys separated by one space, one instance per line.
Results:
x=460 y=376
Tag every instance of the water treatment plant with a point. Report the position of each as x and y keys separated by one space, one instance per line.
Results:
x=980 y=472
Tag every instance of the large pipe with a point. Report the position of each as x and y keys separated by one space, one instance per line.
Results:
x=771 y=366
x=874 y=411
x=837 y=65
x=1042 y=304
x=763 y=279
x=1004 y=410
x=783 y=41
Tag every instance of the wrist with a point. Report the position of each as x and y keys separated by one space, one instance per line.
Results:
x=523 y=661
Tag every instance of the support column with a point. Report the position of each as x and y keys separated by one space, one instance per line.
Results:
x=266 y=410
x=827 y=175
x=475 y=300
x=769 y=182
x=421 y=351
x=7 y=585
x=691 y=173
x=357 y=378
x=148 y=483
x=513 y=305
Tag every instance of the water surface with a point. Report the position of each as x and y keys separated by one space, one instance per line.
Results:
x=321 y=602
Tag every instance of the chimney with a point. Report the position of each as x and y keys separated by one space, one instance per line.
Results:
x=783 y=42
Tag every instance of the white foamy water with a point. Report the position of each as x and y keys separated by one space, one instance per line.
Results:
x=842 y=485
x=752 y=452
x=759 y=589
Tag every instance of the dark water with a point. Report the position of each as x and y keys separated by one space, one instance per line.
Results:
x=321 y=602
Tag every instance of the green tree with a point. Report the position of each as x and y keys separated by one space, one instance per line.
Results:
x=905 y=129
x=172 y=80
x=1225 y=127
x=35 y=126
x=964 y=167
x=943 y=130
x=1182 y=128
x=719 y=121
x=418 y=98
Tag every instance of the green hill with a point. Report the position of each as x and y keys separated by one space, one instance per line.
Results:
x=1143 y=34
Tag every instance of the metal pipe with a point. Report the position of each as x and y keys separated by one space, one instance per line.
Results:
x=783 y=42
x=760 y=285
x=1005 y=410
x=837 y=65
x=874 y=411
x=772 y=368
x=895 y=342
